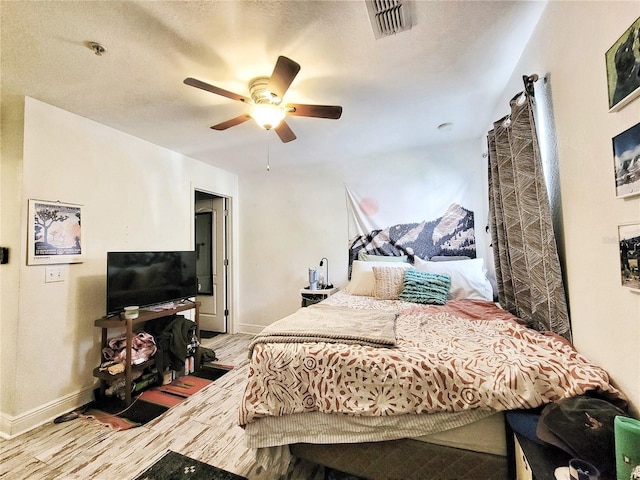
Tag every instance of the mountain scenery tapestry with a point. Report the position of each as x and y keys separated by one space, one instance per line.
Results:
x=452 y=234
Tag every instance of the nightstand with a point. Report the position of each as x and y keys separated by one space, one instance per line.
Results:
x=535 y=462
x=309 y=297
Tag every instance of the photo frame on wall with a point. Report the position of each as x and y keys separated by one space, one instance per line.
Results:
x=626 y=162
x=629 y=240
x=623 y=65
x=55 y=233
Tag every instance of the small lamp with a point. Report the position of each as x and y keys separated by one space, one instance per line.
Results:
x=326 y=278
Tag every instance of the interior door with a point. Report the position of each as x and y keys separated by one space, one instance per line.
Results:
x=220 y=262
x=211 y=253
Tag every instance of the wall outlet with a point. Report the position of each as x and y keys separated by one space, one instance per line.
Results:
x=54 y=274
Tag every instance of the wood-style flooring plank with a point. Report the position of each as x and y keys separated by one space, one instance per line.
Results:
x=203 y=427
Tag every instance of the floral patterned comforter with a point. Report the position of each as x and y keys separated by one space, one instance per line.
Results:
x=467 y=354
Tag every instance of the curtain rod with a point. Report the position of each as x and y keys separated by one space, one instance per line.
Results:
x=529 y=80
x=520 y=98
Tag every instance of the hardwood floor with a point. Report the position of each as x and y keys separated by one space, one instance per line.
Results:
x=203 y=427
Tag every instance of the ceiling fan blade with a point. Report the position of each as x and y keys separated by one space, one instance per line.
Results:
x=283 y=74
x=319 y=111
x=233 y=122
x=284 y=132
x=219 y=91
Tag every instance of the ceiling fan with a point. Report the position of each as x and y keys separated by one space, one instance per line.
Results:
x=266 y=101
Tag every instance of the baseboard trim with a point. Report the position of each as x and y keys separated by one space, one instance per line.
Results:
x=12 y=426
x=250 y=328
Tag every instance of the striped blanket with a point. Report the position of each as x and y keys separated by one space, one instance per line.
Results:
x=331 y=325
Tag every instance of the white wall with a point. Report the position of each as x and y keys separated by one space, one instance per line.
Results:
x=293 y=217
x=569 y=46
x=10 y=235
x=136 y=196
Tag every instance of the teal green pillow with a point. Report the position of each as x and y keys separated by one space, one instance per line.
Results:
x=423 y=287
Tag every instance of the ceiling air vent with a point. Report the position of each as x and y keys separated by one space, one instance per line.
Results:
x=388 y=16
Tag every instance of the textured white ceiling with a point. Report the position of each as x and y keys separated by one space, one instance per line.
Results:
x=450 y=67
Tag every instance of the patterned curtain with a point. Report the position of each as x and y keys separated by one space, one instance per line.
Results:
x=528 y=270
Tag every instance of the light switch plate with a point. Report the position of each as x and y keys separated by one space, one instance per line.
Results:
x=54 y=274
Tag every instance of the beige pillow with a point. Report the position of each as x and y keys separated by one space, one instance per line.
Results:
x=388 y=282
x=362 y=279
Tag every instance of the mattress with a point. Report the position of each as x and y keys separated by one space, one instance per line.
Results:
x=318 y=427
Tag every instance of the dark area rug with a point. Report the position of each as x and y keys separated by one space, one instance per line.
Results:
x=175 y=466
x=147 y=406
x=116 y=415
x=141 y=412
x=331 y=474
x=208 y=334
x=211 y=372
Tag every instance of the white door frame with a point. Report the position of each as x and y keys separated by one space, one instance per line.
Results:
x=224 y=224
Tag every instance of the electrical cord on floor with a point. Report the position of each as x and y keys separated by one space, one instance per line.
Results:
x=72 y=415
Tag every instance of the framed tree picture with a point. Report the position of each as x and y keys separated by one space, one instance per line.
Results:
x=629 y=238
x=626 y=162
x=55 y=233
x=623 y=66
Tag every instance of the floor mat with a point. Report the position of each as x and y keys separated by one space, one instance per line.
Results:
x=184 y=386
x=147 y=406
x=116 y=421
x=331 y=474
x=175 y=466
x=208 y=334
x=160 y=398
x=211 y=373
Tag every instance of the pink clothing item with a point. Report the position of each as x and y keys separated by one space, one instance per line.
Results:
x=143 y=347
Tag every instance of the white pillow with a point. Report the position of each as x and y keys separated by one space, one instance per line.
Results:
x=468 y=278
x=368 y=257
x=362 y=280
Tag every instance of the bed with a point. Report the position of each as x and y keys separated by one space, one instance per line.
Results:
x=445 y=381
x=404 y=374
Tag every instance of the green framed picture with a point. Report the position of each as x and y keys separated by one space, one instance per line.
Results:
x=623 y=68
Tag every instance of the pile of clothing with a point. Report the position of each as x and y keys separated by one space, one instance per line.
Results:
x=171 y=340
x=175 y=337
x=143 y=347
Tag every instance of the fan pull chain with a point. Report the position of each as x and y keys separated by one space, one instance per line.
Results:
x=268 y=165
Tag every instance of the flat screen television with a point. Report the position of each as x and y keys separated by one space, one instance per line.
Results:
x=148 y=278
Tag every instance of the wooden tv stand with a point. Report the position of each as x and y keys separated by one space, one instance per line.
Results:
x=146 y=314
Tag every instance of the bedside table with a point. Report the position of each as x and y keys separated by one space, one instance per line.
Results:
x=310 y=297
x=533 y=461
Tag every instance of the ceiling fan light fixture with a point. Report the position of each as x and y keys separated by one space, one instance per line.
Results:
x=266 y=101
x=267 y=115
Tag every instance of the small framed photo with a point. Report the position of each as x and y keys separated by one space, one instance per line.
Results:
x=55 y=233
x=629 y=238
x=626 y=161
x=623 y=64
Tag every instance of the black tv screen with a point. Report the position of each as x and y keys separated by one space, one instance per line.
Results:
x=148 y=278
